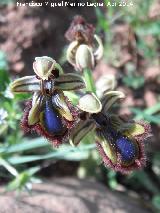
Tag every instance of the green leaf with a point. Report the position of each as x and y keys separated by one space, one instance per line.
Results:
x=21 y=97
x=102 y=21
x=26 y=145
x=31 y=171
x=148 y=28
x=4 y=80
x=8 y=167
x=148 y=51
x=152 y=110
x=18 y=182
x=4 y=76
x=112 y=179
x=152 y=118
x=22 y=179
x=143 y=179
x=134 y=82
x=66 y=152
x=148 y=114
x=156 y=201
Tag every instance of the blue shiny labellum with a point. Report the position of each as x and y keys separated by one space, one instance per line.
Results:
x=128 y=149
x=51 y=120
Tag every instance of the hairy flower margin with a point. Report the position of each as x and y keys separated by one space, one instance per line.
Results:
x=49 y=113
x=120 y=142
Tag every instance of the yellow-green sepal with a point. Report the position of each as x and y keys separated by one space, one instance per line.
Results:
x=109 y=98
x=70 y=81
x=90 y=103
x=25 y=84
x=81 y=130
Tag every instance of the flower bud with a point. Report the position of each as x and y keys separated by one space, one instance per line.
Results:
x=105 y=83
x=84 y=57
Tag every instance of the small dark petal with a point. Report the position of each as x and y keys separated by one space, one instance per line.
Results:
x=55 y=73
x=80 y=30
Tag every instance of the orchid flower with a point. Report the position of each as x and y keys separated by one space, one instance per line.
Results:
x=120 y=142
x=49 y=113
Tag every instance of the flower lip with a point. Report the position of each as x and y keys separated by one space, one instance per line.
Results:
x=121 y=150
x=43 y=119
x=128 y=150
x=51 y=119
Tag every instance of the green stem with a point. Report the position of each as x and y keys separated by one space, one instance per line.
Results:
x=90 y=85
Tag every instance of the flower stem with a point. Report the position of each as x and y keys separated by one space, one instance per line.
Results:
x=90 y=85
